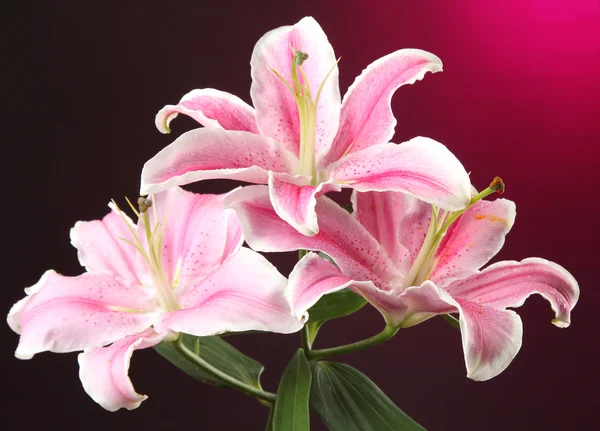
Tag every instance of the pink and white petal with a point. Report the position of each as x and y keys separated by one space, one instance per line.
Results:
x=294 y=200
x=422 y=303
x=202 y=154
x=397 y=220
x=341 y=236
x=276 y=110
x=211 y=108
x=104 y=371
x=366 y=116
x=245 y=293
x=405 y=308
x=473 y=240
x=509 y=284
x=420 y=167
x=387 y=302
x=102 y=245
x=199 y=232
x=491 y=337
x=65 y=314
x=311 y=278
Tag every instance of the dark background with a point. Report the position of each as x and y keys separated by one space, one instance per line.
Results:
x=519 y=97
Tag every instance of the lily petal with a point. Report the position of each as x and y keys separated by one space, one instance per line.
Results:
x=102 y=245
x=104 y=371
x=294 y=201
x=509 y=284
x=473 y=240
x=244 y=293
x=202 y=154
x=492 y=336
x=64 y=314
x=420 y=167
x=211 y=108
x=276 y=110
x=199 y=232
x=398 y=221
x=409 y=307
x=341 y=236
x=311 y=278
x=366 y=117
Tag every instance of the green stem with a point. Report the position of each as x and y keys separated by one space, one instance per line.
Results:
x=387 y=333
x=304 y=333
x=306 y=344
x=266 y=398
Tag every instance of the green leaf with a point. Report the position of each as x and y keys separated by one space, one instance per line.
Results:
x=291 y=407
x=334 y=305
x=313 y=330
x=347 y=400
x=218 y=353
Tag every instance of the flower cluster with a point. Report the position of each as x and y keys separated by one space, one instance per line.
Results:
x=412 y=245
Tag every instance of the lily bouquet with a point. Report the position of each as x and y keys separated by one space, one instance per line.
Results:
x=414 y=244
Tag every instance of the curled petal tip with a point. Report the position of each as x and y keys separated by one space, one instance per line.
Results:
x=23 y=356
x=164 y=128
x=561 y=323
x=163 y=119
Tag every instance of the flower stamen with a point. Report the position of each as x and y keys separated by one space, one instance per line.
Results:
x=152 y=254
x=307 y=111
x=425 y=263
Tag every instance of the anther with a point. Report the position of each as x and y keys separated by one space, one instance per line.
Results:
x=497 y=185
x=144 y=204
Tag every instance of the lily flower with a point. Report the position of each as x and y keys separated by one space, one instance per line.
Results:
x=413 y=261
x=301 y=139
x=181 y=269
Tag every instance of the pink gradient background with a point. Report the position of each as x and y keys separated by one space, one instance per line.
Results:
x=519 y=97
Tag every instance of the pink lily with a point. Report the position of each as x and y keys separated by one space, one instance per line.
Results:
x=301 y=139
x=413 y=263
x=181 y=269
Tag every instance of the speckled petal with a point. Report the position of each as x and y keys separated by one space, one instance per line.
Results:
x=245 y=293
x=341 y=236
x=211 y=108
x=203 y=154
x=420 y=167
x=473 y=240
x=276 y=110
x=65 y=314
x=199 y=232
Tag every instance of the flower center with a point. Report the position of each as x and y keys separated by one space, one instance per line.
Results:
x=440 y=222
x=307 y=113
x=152 y=253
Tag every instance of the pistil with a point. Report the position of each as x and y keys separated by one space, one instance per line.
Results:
x=151 y=254
x=425 y=263
x=154 y=239
x=307 y=113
